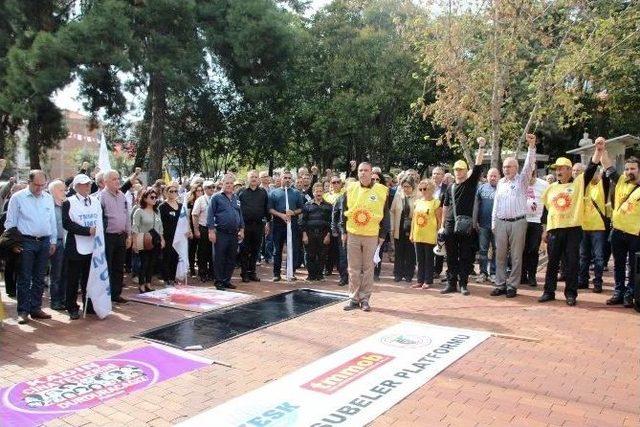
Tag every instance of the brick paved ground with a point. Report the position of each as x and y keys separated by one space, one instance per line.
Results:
x=580 y=368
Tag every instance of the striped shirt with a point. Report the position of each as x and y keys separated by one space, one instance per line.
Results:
x=510 y=200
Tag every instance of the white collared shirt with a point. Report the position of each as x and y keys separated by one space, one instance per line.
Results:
x=510 y=200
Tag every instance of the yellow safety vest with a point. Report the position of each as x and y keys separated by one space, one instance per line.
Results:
x=626 y=216
x=331 y=197
x=424 y=224
x=592 y=220
x=565 y=204
x=365 y=208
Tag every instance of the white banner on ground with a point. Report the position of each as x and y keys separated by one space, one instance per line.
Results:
x=352 y=386
x=98 y=288
x=181 y=244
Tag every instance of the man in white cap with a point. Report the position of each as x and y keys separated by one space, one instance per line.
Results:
x=201 y=232
x=80 y=214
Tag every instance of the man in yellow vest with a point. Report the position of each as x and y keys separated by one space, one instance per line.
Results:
x=594 y=234
x=625 y=235
x=564 y=211
x=364 y=224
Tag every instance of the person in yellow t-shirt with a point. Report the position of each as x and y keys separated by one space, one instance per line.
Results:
x=625 y=233
x=364 y=225
x=563 y=214
x=424 y=231
x=594 y=234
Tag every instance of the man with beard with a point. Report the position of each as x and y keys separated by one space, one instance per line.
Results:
x=625 y=236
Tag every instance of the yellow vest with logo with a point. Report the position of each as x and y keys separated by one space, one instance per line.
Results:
x=365 y=208
x=565 y=204
x=424 y=224
x=626 y=216
x=331 y=196
x=592 y=220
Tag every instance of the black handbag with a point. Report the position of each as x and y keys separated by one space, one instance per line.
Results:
x=462 y=224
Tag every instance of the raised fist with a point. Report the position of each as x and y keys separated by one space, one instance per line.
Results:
x=600 y=143
x=481 y=142
x=531 y=139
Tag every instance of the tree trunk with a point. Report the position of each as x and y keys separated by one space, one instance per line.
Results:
x=158 y=91
x=496 y=96
x=33 y=145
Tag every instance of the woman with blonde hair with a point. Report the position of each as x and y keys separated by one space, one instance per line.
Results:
x=169 y=213
x=424 y=231
x=401 y=213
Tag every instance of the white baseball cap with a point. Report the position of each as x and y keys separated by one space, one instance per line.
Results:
x=80 y=179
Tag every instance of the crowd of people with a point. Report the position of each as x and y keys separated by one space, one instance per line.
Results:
x=329 y=222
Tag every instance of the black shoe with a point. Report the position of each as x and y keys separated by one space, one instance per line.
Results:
x=511 y=293
x=203 y=279
x=571 y=301
x=365 y=306
x=39 y=314
x=12 y=296
x=254 y=278
x=23 y=318
x=219 y=286
x=449 y=290
x=583 y=286
x=615 y=300
x=397 y=279
x=408 y=280
x=343 y=282
x=276 y=278
x=464 y=290
x=597 y=289
x=496 y=292
x=351 y=306
x=245 y=280
x=546 y=297
x=74 y=315
x=120 y=300
x=627 y=301
x=58 y=307
x=376 y=278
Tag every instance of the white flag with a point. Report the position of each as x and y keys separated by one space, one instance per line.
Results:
x=289 y=240
x=181 y=244
x=98 y=288
x=103 y=155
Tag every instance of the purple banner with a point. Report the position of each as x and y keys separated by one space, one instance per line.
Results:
x=34 y=402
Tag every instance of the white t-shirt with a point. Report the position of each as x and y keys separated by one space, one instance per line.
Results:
x=200 y=207
x=534 y=203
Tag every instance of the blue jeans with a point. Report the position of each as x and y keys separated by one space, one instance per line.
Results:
x=57 y=282
x=624 y=247
x=591 y=248
x=486 y=239
x=33 y=264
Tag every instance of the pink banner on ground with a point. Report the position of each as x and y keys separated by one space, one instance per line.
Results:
x=191 y=298
x=31 y=403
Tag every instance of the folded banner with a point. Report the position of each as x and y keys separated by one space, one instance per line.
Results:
x=191 y=298
x=181 y=245
x=353 y=386
x=34 y=402
x=98 y=287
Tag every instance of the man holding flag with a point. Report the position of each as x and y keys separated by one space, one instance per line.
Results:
x=81 y=217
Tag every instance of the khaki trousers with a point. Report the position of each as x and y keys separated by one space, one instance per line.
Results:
x=360 y=251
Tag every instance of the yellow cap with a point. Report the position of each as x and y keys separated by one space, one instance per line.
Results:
x=460 y=164
x=562 y=161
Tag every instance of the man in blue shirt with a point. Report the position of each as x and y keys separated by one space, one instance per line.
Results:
x=226 y=228
x=32 y=212
x=484 y=203
x=281 y=216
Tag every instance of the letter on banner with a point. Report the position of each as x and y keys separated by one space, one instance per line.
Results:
x=98 y=288
x=181 y=244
